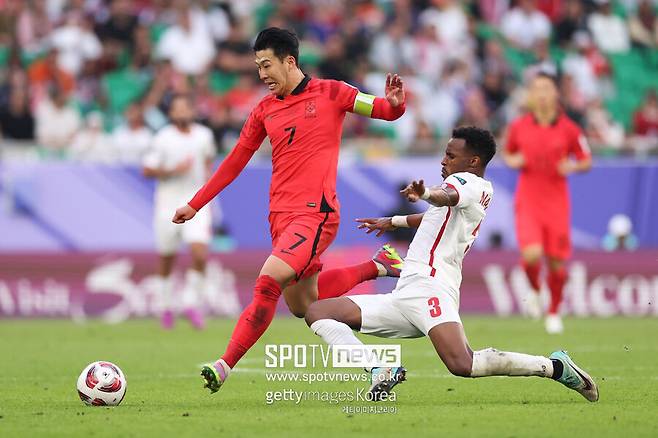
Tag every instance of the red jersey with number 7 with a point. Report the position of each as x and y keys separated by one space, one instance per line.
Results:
x=305 y=129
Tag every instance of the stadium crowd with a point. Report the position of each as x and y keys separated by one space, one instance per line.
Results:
x=91 y=79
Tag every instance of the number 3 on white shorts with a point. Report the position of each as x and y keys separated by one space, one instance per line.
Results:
x=435 y=308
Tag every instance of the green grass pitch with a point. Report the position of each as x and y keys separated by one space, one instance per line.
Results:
x=40 y=361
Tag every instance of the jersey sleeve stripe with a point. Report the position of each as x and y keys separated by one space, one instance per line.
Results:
x=436 y=242
x=364 y=104
x=455 y=189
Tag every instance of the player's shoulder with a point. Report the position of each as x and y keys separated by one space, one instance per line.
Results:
x=201 y=129
x=330 y=87
x=568 y=123
x=522 y=120
x=165 y=132
x=463 y=178
x=470 y=182
x=263 y=104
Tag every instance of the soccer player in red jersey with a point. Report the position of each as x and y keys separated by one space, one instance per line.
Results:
x=546 y=146
x=303 y=118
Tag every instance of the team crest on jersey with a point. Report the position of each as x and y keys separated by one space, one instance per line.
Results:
x=310 y=109
x=461 y=180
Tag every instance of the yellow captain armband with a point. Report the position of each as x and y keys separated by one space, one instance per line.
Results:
x=363 y=104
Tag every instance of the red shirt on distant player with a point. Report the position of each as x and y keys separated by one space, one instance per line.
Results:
x=543 y=148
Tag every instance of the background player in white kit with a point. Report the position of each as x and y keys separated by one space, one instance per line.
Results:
x=180 y=158
x=425 y=301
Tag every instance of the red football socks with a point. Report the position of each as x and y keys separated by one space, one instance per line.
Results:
x=254 y=320
x=556 y=280
x=337 y=282
x=532 y=272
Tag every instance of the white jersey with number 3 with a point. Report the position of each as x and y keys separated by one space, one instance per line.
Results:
x=446 y=233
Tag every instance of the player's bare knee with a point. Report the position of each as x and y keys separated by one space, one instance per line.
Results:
x=314 y=313
x=460 y=366
x=532 y=255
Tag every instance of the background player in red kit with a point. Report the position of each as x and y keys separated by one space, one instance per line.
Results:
x=546 y=146
x=303 y=117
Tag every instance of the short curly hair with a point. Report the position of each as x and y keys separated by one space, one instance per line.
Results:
x=478 y=140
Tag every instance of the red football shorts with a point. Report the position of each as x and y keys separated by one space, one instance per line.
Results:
x=548 y=228
x=299 y=239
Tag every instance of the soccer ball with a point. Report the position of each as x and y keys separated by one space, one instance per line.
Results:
x=102 y=384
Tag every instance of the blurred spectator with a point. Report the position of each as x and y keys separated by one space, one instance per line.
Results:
x=645 y=119
x=216 y=19
x=119 y=28
x=234 y=55
x=424 y=143
x=91 y=143
x=45 y=72
x=75 y=43
x=608 y=30
x=572 y=21
x=524 y=25
x=428 y=56
x=88 y=90
x=333 y=66
x=602 y=130
x=450 y=23
x=577 y=65
x=9 y=12
x=56 y=122
x=620 y=235
x=132 y=139
x=16 y=121
x=493 y=87
x=188 y=44
x=475 y=111
x=392 y=49
x=33 y=27
x=643 y=26
x=645 y=125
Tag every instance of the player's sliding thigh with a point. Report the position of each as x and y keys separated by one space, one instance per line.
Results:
x=302 y=294
x=450 y=343
x=339 y=309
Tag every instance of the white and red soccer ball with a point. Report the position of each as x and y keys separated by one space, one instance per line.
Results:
x=102 y=384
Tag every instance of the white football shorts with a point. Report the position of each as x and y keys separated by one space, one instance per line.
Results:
x=415 y=306
x=169 y=236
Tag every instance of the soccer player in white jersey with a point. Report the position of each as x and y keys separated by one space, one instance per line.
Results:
x=179 y=158
x=425 y=301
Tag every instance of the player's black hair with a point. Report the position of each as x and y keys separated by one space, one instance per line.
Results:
x=282 y=42
x=478 y=140
x=548 y=75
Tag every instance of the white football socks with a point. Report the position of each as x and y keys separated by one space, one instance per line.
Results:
x=491 y=362
x=166 y=287
x=334 y=332
x=194 y=287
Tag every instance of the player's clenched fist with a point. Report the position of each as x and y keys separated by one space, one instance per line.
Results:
x=184 y=213
x=381 y=225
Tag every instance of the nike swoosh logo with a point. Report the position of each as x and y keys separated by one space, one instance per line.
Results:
x=585 y=379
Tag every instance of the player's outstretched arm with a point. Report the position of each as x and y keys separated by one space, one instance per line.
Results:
x=223 y=176
x=439 y=196
x=391 y=107
x=383 y=224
